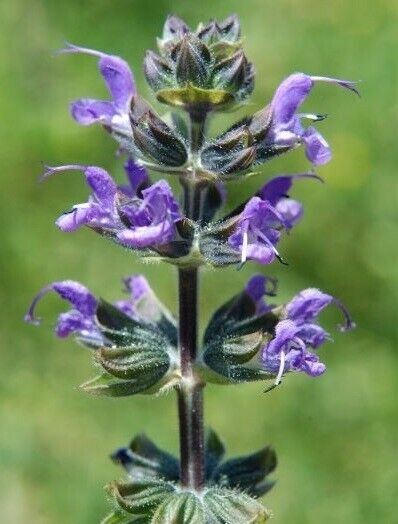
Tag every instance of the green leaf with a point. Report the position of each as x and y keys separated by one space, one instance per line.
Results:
x=141 y=496
x=231 y=507
x=149 y=459
x=214 y=452
x=238 y=308
x=134 y=362
x=181 y=508
x=117 y=517
x=248 y=473
x=114 y=322
x=227 y=356
x=109 y=386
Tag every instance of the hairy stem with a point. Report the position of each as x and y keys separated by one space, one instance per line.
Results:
x=190 y=395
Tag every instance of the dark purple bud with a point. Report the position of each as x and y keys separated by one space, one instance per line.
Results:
x=229 y=29
x=260 y=123
x=231 y=72
x=174 y=28
x=192 y=62
x=207 y=33
x=158 y=73
x=156 y=140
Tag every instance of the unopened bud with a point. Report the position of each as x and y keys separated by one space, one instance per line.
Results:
x=231 y=72
x=158 y=73
x=156 y=140
x=193 y=61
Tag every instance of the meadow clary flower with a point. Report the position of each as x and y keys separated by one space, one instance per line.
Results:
x=120 y=83
x=299 y=333
x=151 y=220
x=287 y=128
x=134 y=217
x=263 y=217
x=80 y=320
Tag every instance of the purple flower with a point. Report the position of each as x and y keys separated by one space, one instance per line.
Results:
x=257 y=232
x=287 y=129
x=263 y=217
x=120 y=83
x=137 y=176
x=151 y=220
x=299 y=332
x=80 y=320
x=134 y=217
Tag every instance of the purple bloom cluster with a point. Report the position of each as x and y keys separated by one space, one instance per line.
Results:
x=81 y=322
x=298 y=333
x=264 y=217
x=137 y=215
x=287 y=128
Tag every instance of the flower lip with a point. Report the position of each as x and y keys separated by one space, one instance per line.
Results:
x=73 y=292
x=120 y=83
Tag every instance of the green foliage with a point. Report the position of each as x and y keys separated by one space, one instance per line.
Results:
x=140 y=361
x=156 y=502
x=233 y=339
x=153 y=489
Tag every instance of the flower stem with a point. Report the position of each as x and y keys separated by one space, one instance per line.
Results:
x=190 y=394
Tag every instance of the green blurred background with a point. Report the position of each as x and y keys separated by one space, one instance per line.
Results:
x=336 y=436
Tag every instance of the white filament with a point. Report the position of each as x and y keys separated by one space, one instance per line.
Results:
x=281 y=369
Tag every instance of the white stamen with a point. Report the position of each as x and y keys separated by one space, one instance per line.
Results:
x=244 y=247
x=311 y=116
x=281 y=369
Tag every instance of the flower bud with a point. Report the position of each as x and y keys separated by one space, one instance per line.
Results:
x=156 y=140
x=202 y=70
x=192 y=62
x=158 y=73
x=229 y=29
x=231 y=72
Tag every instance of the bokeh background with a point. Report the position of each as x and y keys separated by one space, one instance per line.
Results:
x=336 y=436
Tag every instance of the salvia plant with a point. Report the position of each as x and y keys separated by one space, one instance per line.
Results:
x=140 y=346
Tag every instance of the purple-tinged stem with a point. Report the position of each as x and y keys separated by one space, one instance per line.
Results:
x=190 y=394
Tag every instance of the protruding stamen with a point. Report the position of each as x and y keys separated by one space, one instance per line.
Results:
x=71 y=48
x=349 y=323
x=30 y=316
x=278 y=379
x=314 y=117
x=244 y=247
x=347 y=84
x=52 y=170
